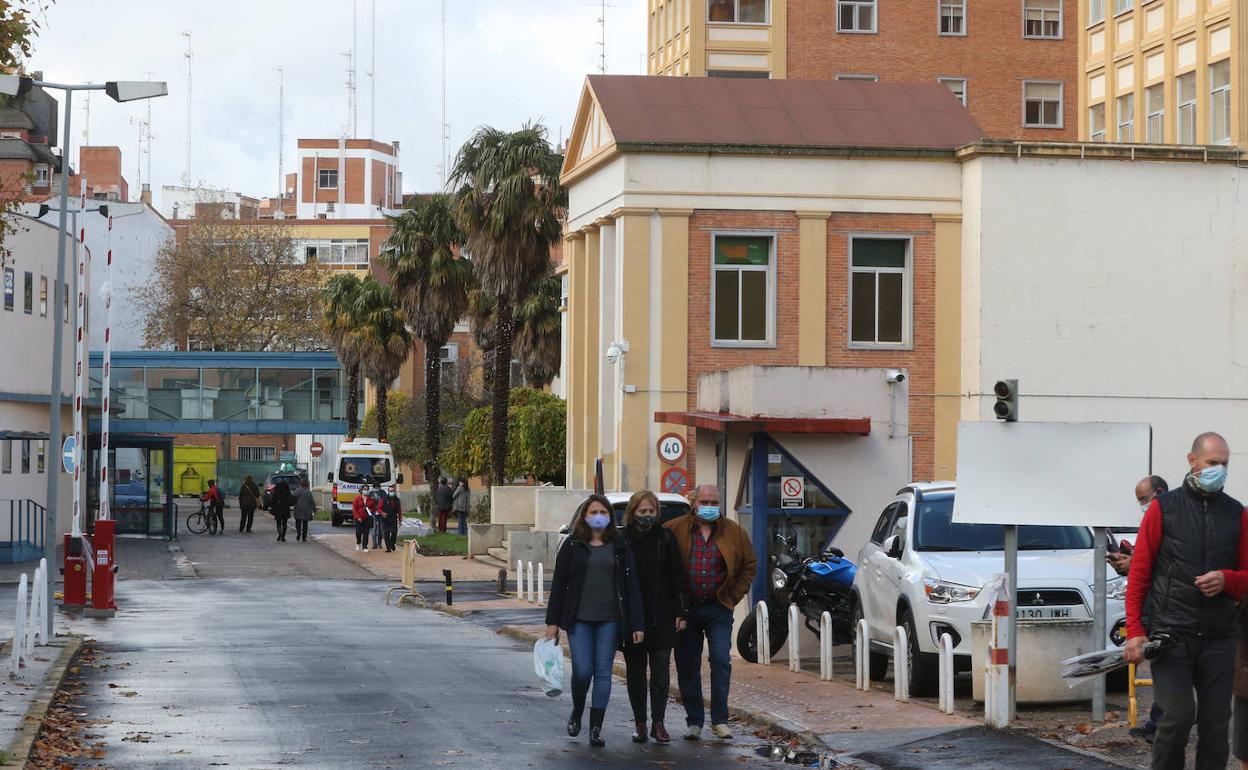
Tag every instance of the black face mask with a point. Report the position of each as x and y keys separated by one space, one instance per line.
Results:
x=644 y=522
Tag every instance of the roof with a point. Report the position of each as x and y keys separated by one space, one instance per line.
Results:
x=16 y=149
x=731 y=423
x=812 y=114
x=11 y=117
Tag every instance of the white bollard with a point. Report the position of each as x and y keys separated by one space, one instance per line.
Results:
x=519 y=578
x=532 y=597
x=946 y=673
x=34 y=616
x=901 y=671
x=795 y=644
x=40 y=597
x=541 y=583
x=17 y=650
x=825 y=647
x=997 y=686
x=763 y=628
x=862 y=677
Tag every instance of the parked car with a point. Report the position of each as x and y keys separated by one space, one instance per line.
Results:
x=290 y=477
x=671 y=507
x=921 y=570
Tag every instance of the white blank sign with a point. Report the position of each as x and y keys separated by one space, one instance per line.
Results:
x=1051 y=473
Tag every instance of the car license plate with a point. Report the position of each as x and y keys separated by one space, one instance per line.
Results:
x=1043 y=613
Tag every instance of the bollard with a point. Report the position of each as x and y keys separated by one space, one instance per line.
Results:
x=763 y=629
x=825 y=647
x=446 y=573
x=997 y=689
x=946 y=673
x=862 y=679
x=519 y=579
x=795 y=633
x=532 y=597
x=901 y=671
x=541 y=584
x=501 y=586
x=17 y=650
x=37 y=615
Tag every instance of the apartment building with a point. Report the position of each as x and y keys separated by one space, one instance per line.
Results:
x=1159 y=71
x=1013 y=63
x=100 y=167
x=28 y=126
x=347 y=178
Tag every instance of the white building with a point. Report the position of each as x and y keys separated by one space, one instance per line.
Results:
x=347 y=179
x=179 y=202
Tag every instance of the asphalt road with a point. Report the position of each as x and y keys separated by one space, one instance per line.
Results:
x=269 y=673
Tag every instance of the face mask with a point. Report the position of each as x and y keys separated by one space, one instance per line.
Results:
x=644 y=522
x=708 y=512
x=1144 y=507
x=1212 y=478
x=598 y=521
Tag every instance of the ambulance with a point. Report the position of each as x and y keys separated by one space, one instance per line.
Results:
x=361 y=461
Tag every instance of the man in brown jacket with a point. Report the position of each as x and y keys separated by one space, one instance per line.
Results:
x=721 y=565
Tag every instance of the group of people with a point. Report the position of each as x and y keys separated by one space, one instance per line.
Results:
x=282 y=503
x=447 y=499
x=378 y=512
x=650 y=588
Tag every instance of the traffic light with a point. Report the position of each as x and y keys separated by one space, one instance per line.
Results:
x=1006 y=407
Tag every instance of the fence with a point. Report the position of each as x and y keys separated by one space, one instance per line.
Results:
x=24 y=539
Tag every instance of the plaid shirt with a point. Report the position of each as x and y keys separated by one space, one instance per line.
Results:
x=707 y=570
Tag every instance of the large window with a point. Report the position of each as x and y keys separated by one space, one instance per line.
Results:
x=741 y=301
x=1185 y=115
x=1042 y=18
x=327 y=178
x=43 y=296
x=1096 y=11
x=257 y=453
x=1096 y=122
x=9 y=288
x=879 y=291
x=25 y=455
x=737 y=11
x=958 y=86
x=1155 y=104
x=1122 y=6
x=1220 y=102
x=1126 y=118
x=759 y=74
x=952 y=17
x=41 y=450
x=1042 y=104
x=348 y=253
x=857 y=76
x=855 y=15
x=28 y=293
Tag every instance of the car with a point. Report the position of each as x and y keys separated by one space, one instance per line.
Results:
x=291 y=478
x=921 y=570
x=671 y=507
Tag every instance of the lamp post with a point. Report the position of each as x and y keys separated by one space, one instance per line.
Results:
x=120 y=91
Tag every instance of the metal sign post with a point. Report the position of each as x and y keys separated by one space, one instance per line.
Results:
x=1099 y=618
x=1011 y=577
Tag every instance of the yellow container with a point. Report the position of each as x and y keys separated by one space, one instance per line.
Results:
x=192 y=467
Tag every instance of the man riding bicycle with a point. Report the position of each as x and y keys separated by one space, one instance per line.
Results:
x=216 y=503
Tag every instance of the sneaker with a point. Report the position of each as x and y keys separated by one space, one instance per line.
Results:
x=693 y=733
x=722 y=731
x=357 y=546
x=365 y=550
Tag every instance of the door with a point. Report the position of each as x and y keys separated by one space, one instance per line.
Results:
x=872 y=558
x=892 y=572
x=157 y=492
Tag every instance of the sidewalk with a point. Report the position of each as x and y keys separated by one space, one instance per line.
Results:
x=390 y=565
x=25 y=699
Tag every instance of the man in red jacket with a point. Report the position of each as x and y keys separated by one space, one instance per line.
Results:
x=362 y=509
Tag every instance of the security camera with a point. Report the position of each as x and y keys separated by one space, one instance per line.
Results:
x=613 y=354
x=894 y=376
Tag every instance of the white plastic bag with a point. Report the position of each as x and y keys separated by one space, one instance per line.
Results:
x=548 y=662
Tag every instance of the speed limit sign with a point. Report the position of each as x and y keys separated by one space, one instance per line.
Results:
x=671 y=448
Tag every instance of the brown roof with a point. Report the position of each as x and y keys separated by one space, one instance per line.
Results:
x=745 y=112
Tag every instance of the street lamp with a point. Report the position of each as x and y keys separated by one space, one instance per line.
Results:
x=121 y=91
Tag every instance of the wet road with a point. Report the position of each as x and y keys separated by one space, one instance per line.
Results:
x=272 y=673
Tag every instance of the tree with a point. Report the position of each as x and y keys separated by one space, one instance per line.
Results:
x=539 y=331
x=509 y=200
x=407 y=440
x=19 y=23
x=338 y=322
x=384 y=343
x=230 y=285
x=432 y=284
x=538 y=425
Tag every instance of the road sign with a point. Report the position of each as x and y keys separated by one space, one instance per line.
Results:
x=792 y=492
x=671 y=448
x=675 y=481
x=317 y=449
x=69 y=457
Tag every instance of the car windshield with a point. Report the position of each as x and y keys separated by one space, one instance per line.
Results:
x=667 y=512
x=291 y=481
x=936 y=531
x=357 y=470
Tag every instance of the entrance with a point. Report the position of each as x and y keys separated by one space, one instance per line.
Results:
x=140 y=471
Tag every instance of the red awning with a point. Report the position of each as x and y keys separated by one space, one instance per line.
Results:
x=731 y=423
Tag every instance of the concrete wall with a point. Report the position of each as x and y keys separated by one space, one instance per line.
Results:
x=554 y=506
x=512 y=505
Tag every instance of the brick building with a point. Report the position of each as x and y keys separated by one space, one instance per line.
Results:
x=101 y=168
x=28 y=128
x=347 y=178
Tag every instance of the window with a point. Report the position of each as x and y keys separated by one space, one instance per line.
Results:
x=737 y=11
x=883 y=524
x=952 y=17
x=1155 y=103
x=1042 y=104
x=878 y=291
x=41 y=175
x=851 y=76
x=327 y=178
x=349 y=253
x=1126 y=118
x=1220 y=102
x=257 y=453
x=517 y=373
x=6 y=455
x=741 y=300
x=1122 y=6
x=43 y=296
x=65 y=301
x=1096 y=11
x=737 y=74
x=1042 y=18
x=10 y=134
x=449 y=356
x=9 y=288
x=25 y=455
x=855 y=15
x=40 y=455
x=1096 y=122
x=957 y=85
x=1185 y=118
x=28 y=293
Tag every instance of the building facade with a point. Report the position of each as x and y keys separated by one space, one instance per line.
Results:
x=347 y=179
x=1169 y=71
x=1013 y=64
x=28 y=127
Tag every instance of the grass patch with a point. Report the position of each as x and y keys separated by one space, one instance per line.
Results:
x=441 y=544
x=323 y=516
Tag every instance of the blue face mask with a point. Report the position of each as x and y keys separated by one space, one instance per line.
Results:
x=708 y=512
x=598 y=521
x=1212 y=478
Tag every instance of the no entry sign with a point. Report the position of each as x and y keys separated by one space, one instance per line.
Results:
x=317 y=449
x=675 y=481
x=792 y=492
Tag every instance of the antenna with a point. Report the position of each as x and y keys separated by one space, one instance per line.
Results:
x=445 y=129
x=353 y=79
x=186 y=174
x=349 y=127
x=86 y=131
x=602 y=6
x=372 y=75
x=281 y=133
x=150 y=135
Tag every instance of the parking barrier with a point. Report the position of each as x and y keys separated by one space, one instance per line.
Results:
x=541 y=584
x=946 y=673
x=901 y=669
x=532 y=597
x=825 y=647
x=997 y=673
x=795 y=634
x=763 y=629
x=519 y=578
x=17 y=650
x=1133 y=700
x=862 y=678
x=411 y=550
x=38 y=610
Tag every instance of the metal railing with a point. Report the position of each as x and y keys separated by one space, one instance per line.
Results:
x=27 y=520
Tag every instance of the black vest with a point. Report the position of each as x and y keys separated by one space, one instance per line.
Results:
x=1199 y=534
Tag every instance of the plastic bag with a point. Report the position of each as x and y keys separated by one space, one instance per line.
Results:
x=548 y=662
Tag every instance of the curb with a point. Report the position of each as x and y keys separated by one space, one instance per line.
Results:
x=183 y=563
x=19 y=750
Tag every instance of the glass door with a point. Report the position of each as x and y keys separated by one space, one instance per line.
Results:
x=157 y=493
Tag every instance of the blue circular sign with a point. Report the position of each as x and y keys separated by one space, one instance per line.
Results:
x=69 y=457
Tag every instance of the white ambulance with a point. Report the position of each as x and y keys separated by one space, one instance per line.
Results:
x=362 y=461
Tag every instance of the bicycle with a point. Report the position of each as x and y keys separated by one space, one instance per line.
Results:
x=202 y=521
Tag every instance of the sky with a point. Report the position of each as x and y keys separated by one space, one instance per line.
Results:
x=508 y=62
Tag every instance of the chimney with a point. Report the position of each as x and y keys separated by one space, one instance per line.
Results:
x=146 y=194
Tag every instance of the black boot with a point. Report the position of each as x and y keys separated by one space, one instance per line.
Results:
x=595 y=727
x=639 y=733
x=574 y=721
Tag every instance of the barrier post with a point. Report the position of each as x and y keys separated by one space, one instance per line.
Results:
x=446 y=573
x=901 y=670
x=541 y=584
x=519 y=578
x=946 y=673
x=795 y=645
x=408 y=582
x=17 y=650
x=35 y=633
x=862 y=677
x=825 y=647
x=104 y=567
x=532 y=597
x=1133 y=703
x=74 y=590
x=997 y=691
x=763 y=629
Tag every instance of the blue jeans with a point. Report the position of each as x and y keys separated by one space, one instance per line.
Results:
x=376 y=532
x=463 y=521
x=593 y=651
x=714 y=622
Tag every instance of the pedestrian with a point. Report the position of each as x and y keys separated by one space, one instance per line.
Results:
x=391 y=515
x=362 y=517
x=248 y=500
x=279 y=505
x=216 y=504
x=460 y=503
x=721 y=566
x=595 y=597
x=665 y=603
x=375 y=499
x=442 y=500
x=305 y=511
x=1188 y=568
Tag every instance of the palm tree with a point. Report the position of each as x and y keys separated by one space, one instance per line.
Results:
x=509 y=202
x=384 y=343
x=538 y=332
x=339 y=324
x=432 y=284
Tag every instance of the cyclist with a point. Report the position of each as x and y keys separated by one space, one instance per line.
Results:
x=216 y=504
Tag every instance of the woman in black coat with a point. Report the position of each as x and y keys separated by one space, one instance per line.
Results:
x=279 y=505
x=665 y=599
x=595 y=597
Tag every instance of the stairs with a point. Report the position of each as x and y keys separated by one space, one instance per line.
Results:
x=497 y=557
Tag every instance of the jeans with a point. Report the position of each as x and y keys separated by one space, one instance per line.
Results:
x=282 y=521
x=1192 y=684
x=462 y=516
x=301 y=529
x=714 y=622
x=361 y=532
x=636 y=657
x=245 y=517
x=376 y=532
x=593 y=651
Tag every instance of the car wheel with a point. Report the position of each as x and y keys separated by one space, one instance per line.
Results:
x=747 y=636
x=924 y=666
x=877 y=662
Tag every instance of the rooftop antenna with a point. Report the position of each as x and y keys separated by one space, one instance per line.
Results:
x=186 y=174
x=353 y=79
x=281 y=133
x=372 y=75
x=86 y=130
x=445 y=129
x=349 y=127
x=602 y=5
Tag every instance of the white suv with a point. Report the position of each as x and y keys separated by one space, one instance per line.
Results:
x=923 y=571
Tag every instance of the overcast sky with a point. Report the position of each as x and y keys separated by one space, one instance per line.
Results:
x=508 y=61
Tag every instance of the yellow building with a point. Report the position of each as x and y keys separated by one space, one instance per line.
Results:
x=1162 y=71
x=742 y=37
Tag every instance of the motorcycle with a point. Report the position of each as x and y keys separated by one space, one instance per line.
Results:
x=815 y=584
